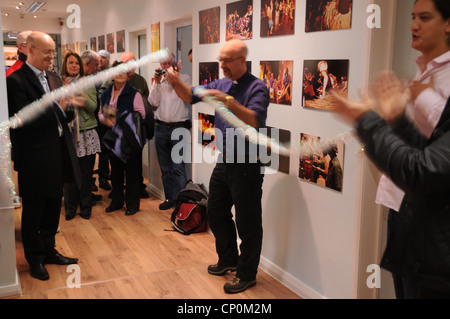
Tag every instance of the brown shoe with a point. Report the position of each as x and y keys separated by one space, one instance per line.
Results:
x=237 y=285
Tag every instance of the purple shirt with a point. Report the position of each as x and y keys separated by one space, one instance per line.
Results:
x=249 y=91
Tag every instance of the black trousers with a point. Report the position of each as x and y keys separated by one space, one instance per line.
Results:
x=239 y=185
x=129 y=173
x=73 y=197
x=40 y=220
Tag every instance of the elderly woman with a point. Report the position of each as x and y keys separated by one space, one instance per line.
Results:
x=118 y=99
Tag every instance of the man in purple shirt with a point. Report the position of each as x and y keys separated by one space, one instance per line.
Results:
x=237 y=178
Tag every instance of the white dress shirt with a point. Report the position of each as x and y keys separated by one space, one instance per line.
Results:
x=170 y=108
x=425 y=113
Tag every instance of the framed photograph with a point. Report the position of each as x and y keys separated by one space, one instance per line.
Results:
x=209 y=72
x=283 y=137
x=239 y=24
x=110 y=45
x=93 y=44
x=155 y=34
x=277 y=75
x=319 y=77
x=321 y=164
x=209 y=26
x=206 y=134
x=277 y=17
x=101 y=42
x=326 y=15
x=120 y=39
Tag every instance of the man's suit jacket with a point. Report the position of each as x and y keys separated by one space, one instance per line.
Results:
x=42 y=159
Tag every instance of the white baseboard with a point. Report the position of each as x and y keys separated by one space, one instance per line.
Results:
x=289 y=281
x=11 y=290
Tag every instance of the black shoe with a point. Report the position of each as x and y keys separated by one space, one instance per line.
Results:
x=111 y=208
x=130 y=212
x=58 y=259
x=144 y=194
x=220 y=270
x=38 y=271
x=238 y=285
x=70 y=216
x=166 y=205
x=105 y=185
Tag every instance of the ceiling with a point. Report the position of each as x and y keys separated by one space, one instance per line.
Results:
x=51 y=9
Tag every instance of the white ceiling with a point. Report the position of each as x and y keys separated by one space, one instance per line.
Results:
x=52 y=8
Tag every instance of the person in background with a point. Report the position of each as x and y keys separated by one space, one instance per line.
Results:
x=86 y=140
x=138 y=82
x=21 y=52
x=233 y=182
x=91 y=65
x=171 y=113
x=430 y=89
x=104 y=60
x=44 y=155
x=119 y=98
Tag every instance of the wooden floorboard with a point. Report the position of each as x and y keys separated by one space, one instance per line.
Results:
x=135 y=257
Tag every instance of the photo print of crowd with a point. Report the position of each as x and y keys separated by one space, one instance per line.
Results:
x=321 y=76
x=206 y=134
x=277 y=75
x=239 y=24
x=209 y=25
x=321 y=165
x=209 y=72
x=277 y=17
x=325 y=15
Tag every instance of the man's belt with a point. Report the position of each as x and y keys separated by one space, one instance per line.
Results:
x=171 y=125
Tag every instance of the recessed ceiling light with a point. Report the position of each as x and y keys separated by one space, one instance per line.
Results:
x=35 y=17
x=6 y=14
x=17 y=7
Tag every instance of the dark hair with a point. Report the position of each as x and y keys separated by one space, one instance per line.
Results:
x=443 y=7
x=64 y=72
x=116 y=63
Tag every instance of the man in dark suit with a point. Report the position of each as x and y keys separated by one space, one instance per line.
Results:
x=43 y=153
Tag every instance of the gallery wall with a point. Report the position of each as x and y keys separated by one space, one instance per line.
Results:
x=311 y=232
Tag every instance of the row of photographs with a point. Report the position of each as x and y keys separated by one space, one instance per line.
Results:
x=319 y=77
x=109 y=42
x=321 y=166
x=277 y=18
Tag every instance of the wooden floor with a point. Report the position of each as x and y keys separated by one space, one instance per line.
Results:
x=124 y=257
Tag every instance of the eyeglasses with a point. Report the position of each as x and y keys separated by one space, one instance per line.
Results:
x=228 y=60
x=47 y=52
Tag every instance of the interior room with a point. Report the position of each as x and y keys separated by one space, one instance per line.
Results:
x=318 y=242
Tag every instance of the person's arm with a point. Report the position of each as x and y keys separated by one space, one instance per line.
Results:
x=138 y=104
x=183 y=89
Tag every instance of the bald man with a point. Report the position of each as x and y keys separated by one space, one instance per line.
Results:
x=234 y=181
x=44 y=155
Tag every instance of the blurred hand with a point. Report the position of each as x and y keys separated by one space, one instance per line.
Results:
x=172 y=76
x=109 y=121
x=391 y=95
x=352 y=111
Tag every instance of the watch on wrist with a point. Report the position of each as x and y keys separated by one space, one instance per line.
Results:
x=229 y=99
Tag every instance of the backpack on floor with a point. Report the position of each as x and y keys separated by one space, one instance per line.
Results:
x=189 y=215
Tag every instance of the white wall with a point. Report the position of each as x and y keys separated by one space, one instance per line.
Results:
x=9 y=281
x=312 y=235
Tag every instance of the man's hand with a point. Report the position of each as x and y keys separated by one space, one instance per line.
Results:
x=392 y=96
x=352 y=111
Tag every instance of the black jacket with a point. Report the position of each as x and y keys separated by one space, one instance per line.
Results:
x=419 y=244
x=43 y=160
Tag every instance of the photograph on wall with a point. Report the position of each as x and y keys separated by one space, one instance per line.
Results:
x=208 y=72
x=206 y=128
x=239 y=23
x=277 y=17
x=110 y=45
x=321 y=163
x=11 y=55
x=283 y=137
x=155 y=37
x=101 y=42
x=321 y=76
x=209 y=26
x=120 y=39
x=93 y=44
x=326 y=15
x=277 y=75
x=249 y=66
